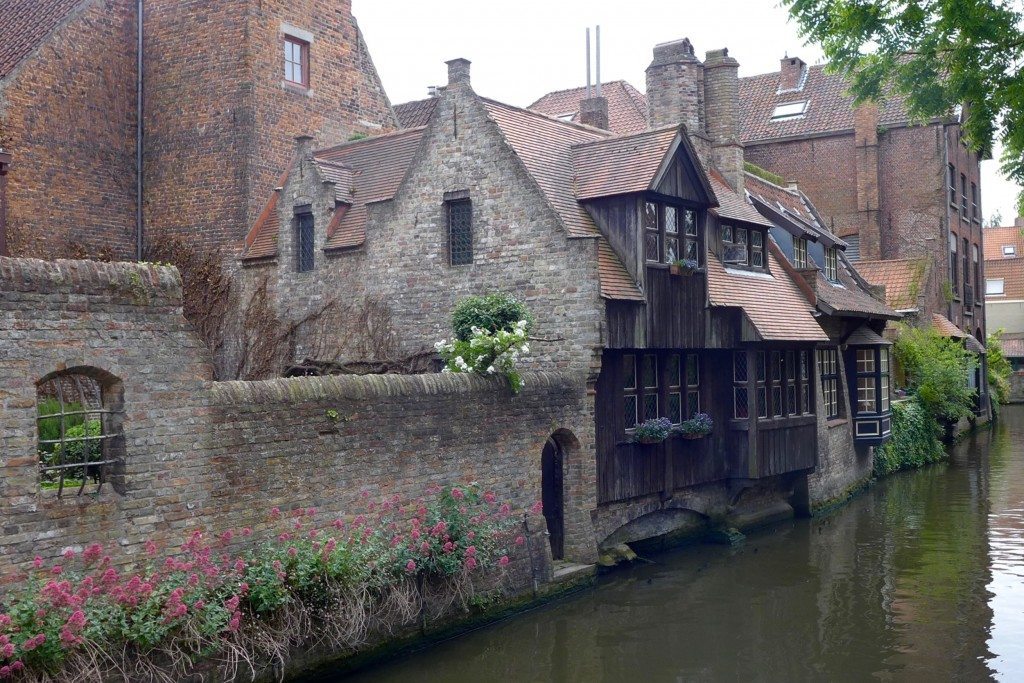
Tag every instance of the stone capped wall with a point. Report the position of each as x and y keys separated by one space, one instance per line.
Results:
x=212 y=456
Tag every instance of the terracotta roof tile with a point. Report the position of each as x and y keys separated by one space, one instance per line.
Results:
x=544 y=145
x=779 y=197
x=731 y=205
x=903 y=280
x=627 y=106
x=620 y=165
x=365 y=171
x=616 y=282
x=829 y=106
x=415 y=114
x=945 y=327
x=1011 y=271
x=847 y=297
x=774 y=303
x=24 y=26
x=997 y=238
x=1012 y=348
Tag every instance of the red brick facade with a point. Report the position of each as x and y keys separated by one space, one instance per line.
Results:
x=219 y=120
x=69 y=111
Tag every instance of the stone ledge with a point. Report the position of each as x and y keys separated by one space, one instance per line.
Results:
x=123 y=282
x=363 y=387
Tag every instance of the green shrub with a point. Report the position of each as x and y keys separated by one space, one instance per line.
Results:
x=914 y=443
x=492 y=312
x=999 y=369
x=937 y=369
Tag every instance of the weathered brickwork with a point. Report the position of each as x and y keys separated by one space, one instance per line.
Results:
x=220 y=118
x=519 y=245
x=69 y=110
x=211 y=456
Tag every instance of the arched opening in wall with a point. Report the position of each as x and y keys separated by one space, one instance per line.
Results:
x=79 y=418
x=553 y=462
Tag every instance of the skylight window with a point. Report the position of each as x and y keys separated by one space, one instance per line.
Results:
x=789 y=110
x=1009 y=250
x=567 y=117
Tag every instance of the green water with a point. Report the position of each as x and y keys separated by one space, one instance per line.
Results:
x=919 y=579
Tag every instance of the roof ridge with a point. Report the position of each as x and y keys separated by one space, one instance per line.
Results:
x=568 y=124
x=370 y=138
x=776 y=73
x=618 y=138
x=581 y=87
x=768 y=182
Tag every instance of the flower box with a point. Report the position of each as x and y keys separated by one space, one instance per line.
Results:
x=682 y=267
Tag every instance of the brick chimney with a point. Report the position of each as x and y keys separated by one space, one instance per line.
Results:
x=1018 y=222
x=458 y=72
x=303 y=146
x=5 y=164
x=722 y=104
x=675 y=87
x=594 y=112
x=792 y=74
x=865 y=134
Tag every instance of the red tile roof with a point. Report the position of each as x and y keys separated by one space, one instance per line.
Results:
x=997 y=238
x=903 y=279
x=829 y=106
x=627 y=106
x=616 y=282
x=415 y=114
x=1012 y=347
x=600 y=167
x=774 y=304
x=780 y=197
x=731 y=205
x=1011 y=272
x=365 y=171
x=25 y=24
x=945 y=327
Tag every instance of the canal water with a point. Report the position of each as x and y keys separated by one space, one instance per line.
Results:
x=921 y=578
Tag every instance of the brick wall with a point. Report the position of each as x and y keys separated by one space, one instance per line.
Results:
x=70 y=110
x=220 y=120
x=205 y=455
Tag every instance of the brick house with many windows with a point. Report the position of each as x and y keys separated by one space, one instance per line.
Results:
x=226 y=87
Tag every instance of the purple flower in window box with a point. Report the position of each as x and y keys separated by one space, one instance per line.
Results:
x=683 y=266
x=697 y=427
x=652 y=431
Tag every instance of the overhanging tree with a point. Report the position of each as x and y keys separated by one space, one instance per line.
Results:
x=936 y=55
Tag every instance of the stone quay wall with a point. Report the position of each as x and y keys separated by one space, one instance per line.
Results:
x=199 y=454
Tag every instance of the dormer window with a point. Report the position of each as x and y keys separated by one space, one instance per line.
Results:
x=742 y=246
x=800 y=252
x=789 y=110
x=670 y=233
x=832 y=264
x=1009 y=250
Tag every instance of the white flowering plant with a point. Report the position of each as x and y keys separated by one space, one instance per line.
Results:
x=488 y=353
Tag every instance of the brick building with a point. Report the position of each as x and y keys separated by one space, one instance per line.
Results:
x=1004 y=295
x=226 y=88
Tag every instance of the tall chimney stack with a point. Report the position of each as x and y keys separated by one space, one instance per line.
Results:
x=458 y=72
x=722 y=104
x=675 y=87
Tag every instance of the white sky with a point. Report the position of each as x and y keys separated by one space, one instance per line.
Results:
x=521 y=50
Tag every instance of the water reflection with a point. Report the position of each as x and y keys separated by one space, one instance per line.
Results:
x=922 y=577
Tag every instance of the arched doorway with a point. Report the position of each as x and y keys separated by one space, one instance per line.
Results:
x=552 y=495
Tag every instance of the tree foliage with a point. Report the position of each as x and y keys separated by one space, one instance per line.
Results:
x=491 y=312
x=999 y=369
x=937 y=55
x=937 y=369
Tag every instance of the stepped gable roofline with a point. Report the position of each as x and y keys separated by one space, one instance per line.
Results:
x=627 y=106
x=598 y=165
x=27 y=24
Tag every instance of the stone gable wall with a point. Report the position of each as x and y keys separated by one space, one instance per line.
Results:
x=69 y=110
x=212 y=456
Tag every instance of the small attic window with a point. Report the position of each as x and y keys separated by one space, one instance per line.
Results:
x=567 y=117
x=789 y=110
x=1009 y=250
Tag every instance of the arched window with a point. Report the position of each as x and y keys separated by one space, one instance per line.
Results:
x=79 y=417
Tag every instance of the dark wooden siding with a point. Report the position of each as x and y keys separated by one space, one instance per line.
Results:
x=681 y=181
x=618 y=218
x=786 y=445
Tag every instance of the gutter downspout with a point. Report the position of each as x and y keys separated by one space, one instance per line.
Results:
x=139 y=234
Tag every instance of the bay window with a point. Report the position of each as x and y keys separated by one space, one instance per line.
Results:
x=660 y=384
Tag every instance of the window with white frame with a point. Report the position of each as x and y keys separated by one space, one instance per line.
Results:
x=828 y=370
x=1009 y=250
x=296 y=61
x=800 y=252
x=831 y=264
x=995 y=286
x=789 y=110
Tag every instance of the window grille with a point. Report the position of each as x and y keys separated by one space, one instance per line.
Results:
x=805 y=382
x=778 y=409
x=671 y=222
x=741 y=408
x=757 y=249
x=660 y=384
x=75 y=433
x=977 y=269
x=975 y=209
x=649 y=374
x=630 y=394
x=952 y=184
x=675 y=394
x=963 y=195
x=966 y=256
x=762 y=389
x=831 y=264
x=692 y=384
x=691 y=239
x=304 y=241
x=652 y=234
x=460 y=232
x=953 y=265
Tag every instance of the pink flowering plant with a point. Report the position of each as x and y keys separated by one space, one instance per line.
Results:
x=314 y=580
